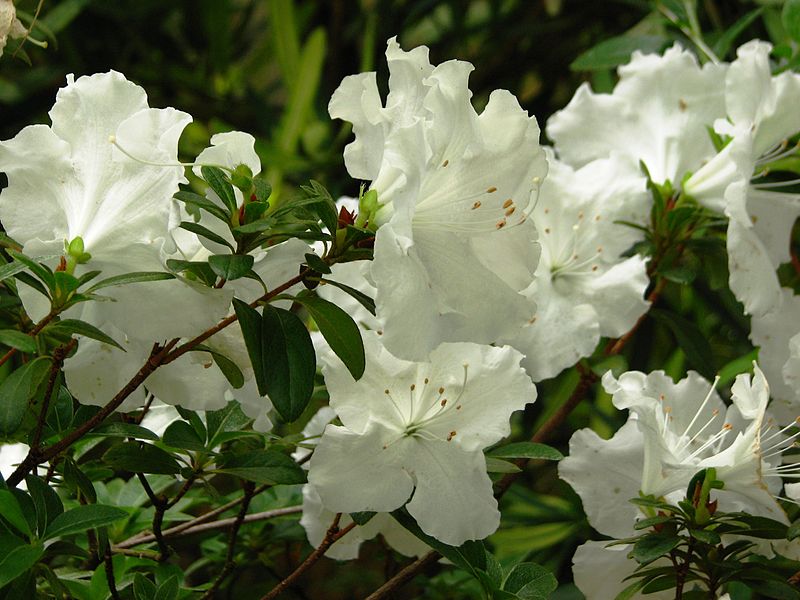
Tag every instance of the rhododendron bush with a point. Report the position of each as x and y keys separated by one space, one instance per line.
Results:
x=487 y=354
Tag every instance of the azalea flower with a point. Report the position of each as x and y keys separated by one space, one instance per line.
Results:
x=414 y=433
x=317 y=519
x=10 y=25
x=584 y=288
x=454 y=189
x=657 y=114
x=81 y=186
x=760 y=121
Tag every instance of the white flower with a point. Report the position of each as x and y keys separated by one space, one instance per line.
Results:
x=317 y=519
x=761 y=119
x=10 y=457
x=356 y=275
x=453 y=244
x=658 y=114
x=584 y=288
x=68 y=181
x=416 y=430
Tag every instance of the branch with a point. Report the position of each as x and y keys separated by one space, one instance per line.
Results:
x=160 y=505
x=58 y=361
x=37 y=328
x=407 y=574
x=331 y=536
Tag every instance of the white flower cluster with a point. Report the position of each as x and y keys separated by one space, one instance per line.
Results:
x=497 y=264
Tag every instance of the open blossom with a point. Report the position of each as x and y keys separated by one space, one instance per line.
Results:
x=77 y=184
x=657 y=114
x=414 y=433
x=584 y=288
x=674 y=431
x=761 y=118
x=454 y=189
x=10 y=25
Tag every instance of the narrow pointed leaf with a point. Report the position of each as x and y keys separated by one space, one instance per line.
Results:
x=126 y=278
x=69 y=327
x=81 y=518
x=231 y=266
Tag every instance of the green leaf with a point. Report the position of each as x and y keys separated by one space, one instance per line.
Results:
x=727 y=39
x=790 y=17
x=530 y=581
x=45 y=499
x=706 y=536
x=526 y=450
x=11 y=511
x=180 y=434
x=200 y=270
x=339 y=330
x=204 y=203
x=263 y=190
x=326 y=206
x=11 y=269
x=654 y=546
x=498 y=465
x=81 y=518
x=70 y=327
x=651 y=521
x=228 y=419
x=218 y=181
x=143 y=588
x=126 y=278
x=231 y=266
x=264 y=466
x=690 y=339
x=17 y=339
x=41 y=271
x=16 y=557
x=616 y=51
x=282 y=356
x=316 y=263
x=362 y=517
x=205 y=232
x=17 y=390
x=141 y=458
x=794 y=531
x=168 y=590
x=125 y=430
x=362 y=298
x=77 y=481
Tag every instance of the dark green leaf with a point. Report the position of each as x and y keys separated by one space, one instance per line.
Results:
x=141 y=458
x=316 y=263
x=256 y=226
x=81 y=518
x=11 y=511
x=616 y=51
x=650 y=522
x=790 y=17
x=231 y=266
x=168 y=590
x=16 y=557
x=794 y=531
x=11 y=269
x=339 y=330
x=498 y=465
x=77 y=481
x=205 y=232
x=126 y=430
x=226 y=420
x=653 y=546
x=194 y=420
x=362 y=298
x=727 y=39
x=45 y=499
x=262 y=189
x=218 y=181
x=706 y=536
x=690 y=339
x=204 y=203
x=363 y=517
x=127 y=278
x=69 y=327
x=264 y=466
x=143 y=588
x=18 y=389
x=200 y=270
x=41 y=271
x=16 y=339
x=526 y=450
x=180 y=434
x=530 y=581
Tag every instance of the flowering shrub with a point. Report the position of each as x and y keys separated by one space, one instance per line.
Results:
x=189 y=350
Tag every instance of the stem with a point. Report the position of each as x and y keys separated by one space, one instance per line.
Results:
x=38 y=456
x=55 y=368
x=331 y=536
x=160 y=505
x=615 y=346
x=680 y=576
x=249 y=490
x=404 y=576
x=109 y=566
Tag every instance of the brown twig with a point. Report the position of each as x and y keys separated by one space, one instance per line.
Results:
x=615 y=346
x=405 y=575
x=331 y=536
x=109 y=567
x=59 y=354
x=249 y=489
x=160 y=505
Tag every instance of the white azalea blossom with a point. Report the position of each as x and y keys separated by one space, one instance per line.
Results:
x=79 y=185
x=414 y=433
x=454 y=189
x=584 y=288
x=317 y=519
x=658 y=114
x=761 y=119
x=10 y=25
